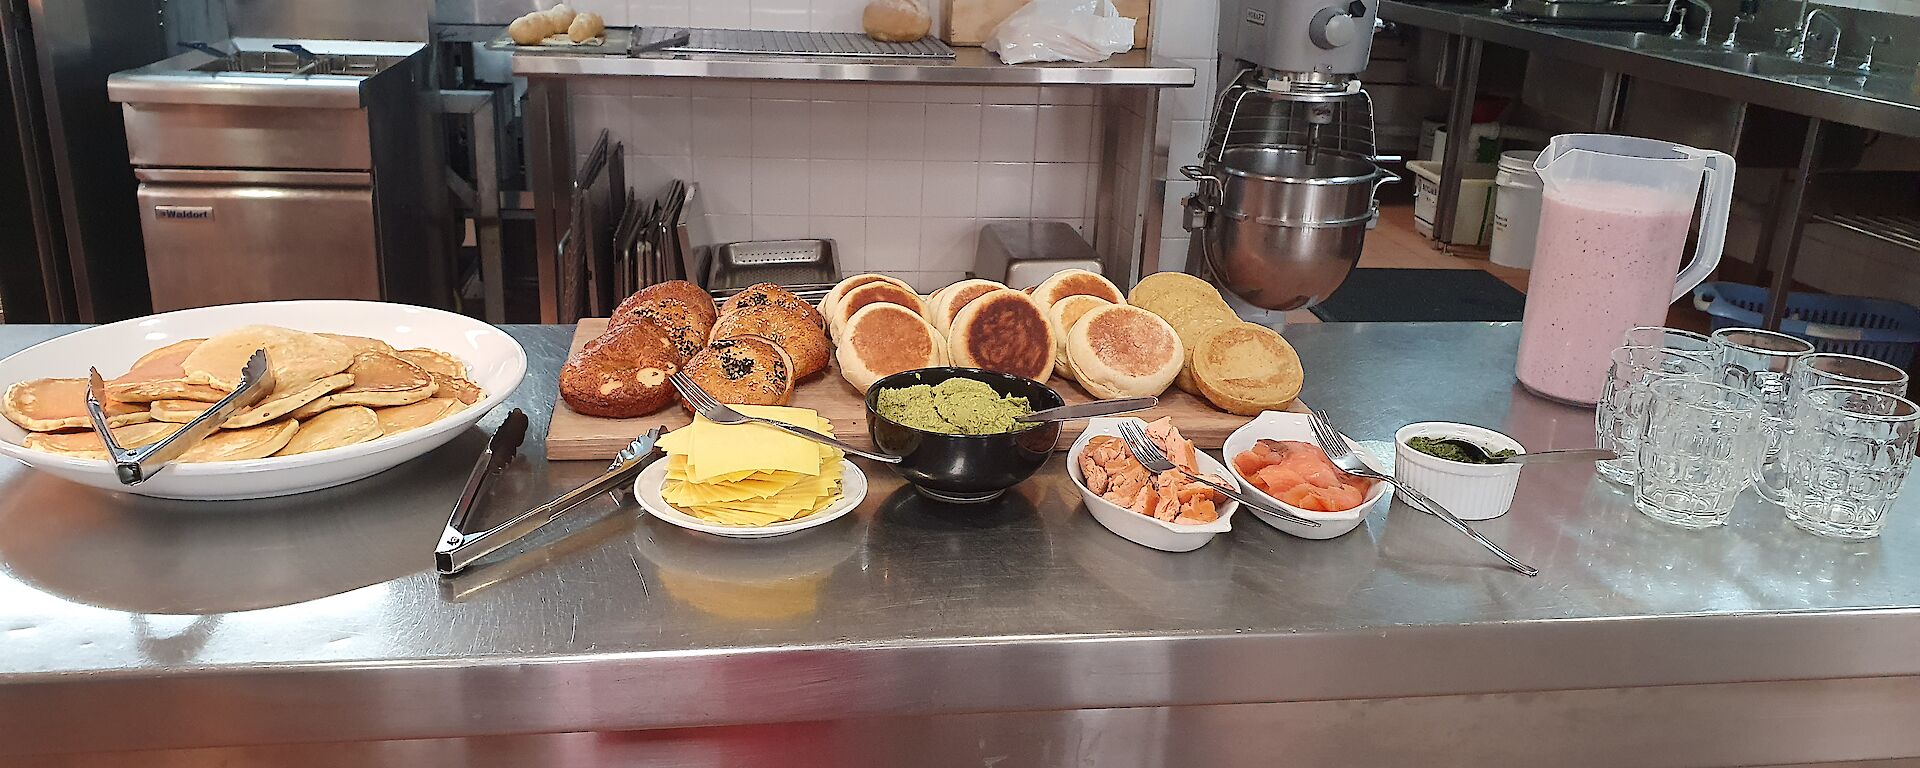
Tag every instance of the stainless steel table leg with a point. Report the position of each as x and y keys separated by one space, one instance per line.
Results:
x=1466 y=78
x=1606 y=112
x=549 y=158
x=1790 y=225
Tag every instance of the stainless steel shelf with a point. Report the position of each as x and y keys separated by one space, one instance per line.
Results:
x=969 y=66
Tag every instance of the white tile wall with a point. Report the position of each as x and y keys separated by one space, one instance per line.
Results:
x=900 y=176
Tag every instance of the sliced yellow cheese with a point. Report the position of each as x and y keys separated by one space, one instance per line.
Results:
x=742 y=476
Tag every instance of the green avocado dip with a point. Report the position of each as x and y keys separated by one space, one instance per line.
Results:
x=953 y=407
x=1442 y=448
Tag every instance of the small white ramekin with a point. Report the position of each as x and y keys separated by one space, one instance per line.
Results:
x=1469 y=491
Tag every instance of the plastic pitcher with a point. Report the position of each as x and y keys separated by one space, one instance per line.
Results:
x=1614 y=216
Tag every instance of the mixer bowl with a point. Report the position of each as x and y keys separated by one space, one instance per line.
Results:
x=1278 y=231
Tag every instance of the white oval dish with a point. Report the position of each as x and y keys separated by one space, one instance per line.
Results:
x=495 y=361
x=1278 y=425
x=1469 y=491
x=646 y=488
x=1138 y=528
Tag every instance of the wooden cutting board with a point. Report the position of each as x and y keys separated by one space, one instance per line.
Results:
x=571 y=435
x=968 y=22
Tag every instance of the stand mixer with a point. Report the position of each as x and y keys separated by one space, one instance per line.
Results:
x=1288 y=175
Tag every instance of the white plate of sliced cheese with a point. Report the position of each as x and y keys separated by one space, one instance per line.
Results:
x=647 y=488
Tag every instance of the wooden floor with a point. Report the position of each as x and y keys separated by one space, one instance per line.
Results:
x=1393 y=244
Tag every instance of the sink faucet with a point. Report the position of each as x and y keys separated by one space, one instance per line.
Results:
x=1680 y=21
x=1799 y=50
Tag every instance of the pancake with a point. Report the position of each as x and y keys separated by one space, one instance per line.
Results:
x=1244 y=369
x=434 y=361
x=1158 y=284
x=157 y=375
x=770 y=295
x=621 y=373
x=744 y=370
x=1060 y=319
x=336 y=428
x=177 y=411
x=457 y=387
x=361 y=344
x=242 y=444
x=884 y=339
x=948 y=301
x=876 y=292
x=1124 y=351
x=379 y=380
x=796 y=333
x=832 y=301
x=401 y=418
x=282 y=402
x=1076 y=282
x=47 y=405
x=1003 y=331
x=87 y=445
x=297 y=356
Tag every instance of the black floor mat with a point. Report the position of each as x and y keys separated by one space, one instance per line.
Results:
x=1421 y=295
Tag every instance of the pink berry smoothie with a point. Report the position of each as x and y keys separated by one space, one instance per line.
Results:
x=1606 y=260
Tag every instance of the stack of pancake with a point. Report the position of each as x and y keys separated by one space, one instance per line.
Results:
x=330 y=391
x=750 y=350
x=1240 y=367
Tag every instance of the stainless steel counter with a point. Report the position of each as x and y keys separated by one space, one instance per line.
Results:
x=970 y=66
x=275 y=632
x=1882 y=101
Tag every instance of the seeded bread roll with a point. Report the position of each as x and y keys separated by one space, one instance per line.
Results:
x=743 y=370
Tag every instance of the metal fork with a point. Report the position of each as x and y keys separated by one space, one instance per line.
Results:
x=1342 y=456
x=1155 y=460
x=718 y=413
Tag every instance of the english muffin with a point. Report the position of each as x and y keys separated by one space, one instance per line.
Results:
x=1076 y=282
x=87 y=445
x=379 y=380
x=48 y=405
x=884 y=339
x=832 y=301
x=744 y=370
x=621 y=373
x=1124 y=351
x=1189 y=327
x=948 y=301
x=877 y=292
x=770 y=295
x=1060 y=319
x=796 y=333
x=297 y=357
x=157 y=375
x=1244 y=368
x=1159 y=284
x=336 y=428
x=1003 y=331
x=401 y=418
x=241 y=444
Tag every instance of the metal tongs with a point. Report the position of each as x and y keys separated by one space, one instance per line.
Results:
x=140 y=464
x=458 y=549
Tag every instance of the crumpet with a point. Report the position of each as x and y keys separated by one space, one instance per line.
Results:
x=1003 y=331
x=47 y=405
x=1159 y=284
x=1124 y=351
x=1076 y=282
x=1244 y=368
x=884 y=339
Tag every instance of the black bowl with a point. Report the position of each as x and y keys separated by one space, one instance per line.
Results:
x=965 y=468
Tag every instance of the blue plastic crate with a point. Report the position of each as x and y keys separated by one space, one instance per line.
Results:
x=1882 y=329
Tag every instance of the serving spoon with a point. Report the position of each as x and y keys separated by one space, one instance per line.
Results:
x=1090 y=410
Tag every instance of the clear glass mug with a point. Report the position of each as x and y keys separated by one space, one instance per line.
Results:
x=1760 y=362
x=1846 y=458
x=1621 y=415
x=1698 y=452
x=1828 y=369
x=1685 y=342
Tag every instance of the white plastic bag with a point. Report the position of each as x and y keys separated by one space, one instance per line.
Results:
x=1062 y=30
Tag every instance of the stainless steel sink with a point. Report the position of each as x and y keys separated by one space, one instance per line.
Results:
x=1754 y=63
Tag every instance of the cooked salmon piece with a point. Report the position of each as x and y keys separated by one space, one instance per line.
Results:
x=1300 y=474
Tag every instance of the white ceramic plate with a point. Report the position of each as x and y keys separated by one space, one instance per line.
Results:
x=1276 y=425
x=494 y=361
x=646 y=487
x=1138 y=528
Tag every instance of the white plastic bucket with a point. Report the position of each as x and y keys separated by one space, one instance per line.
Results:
x=1516 y=209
